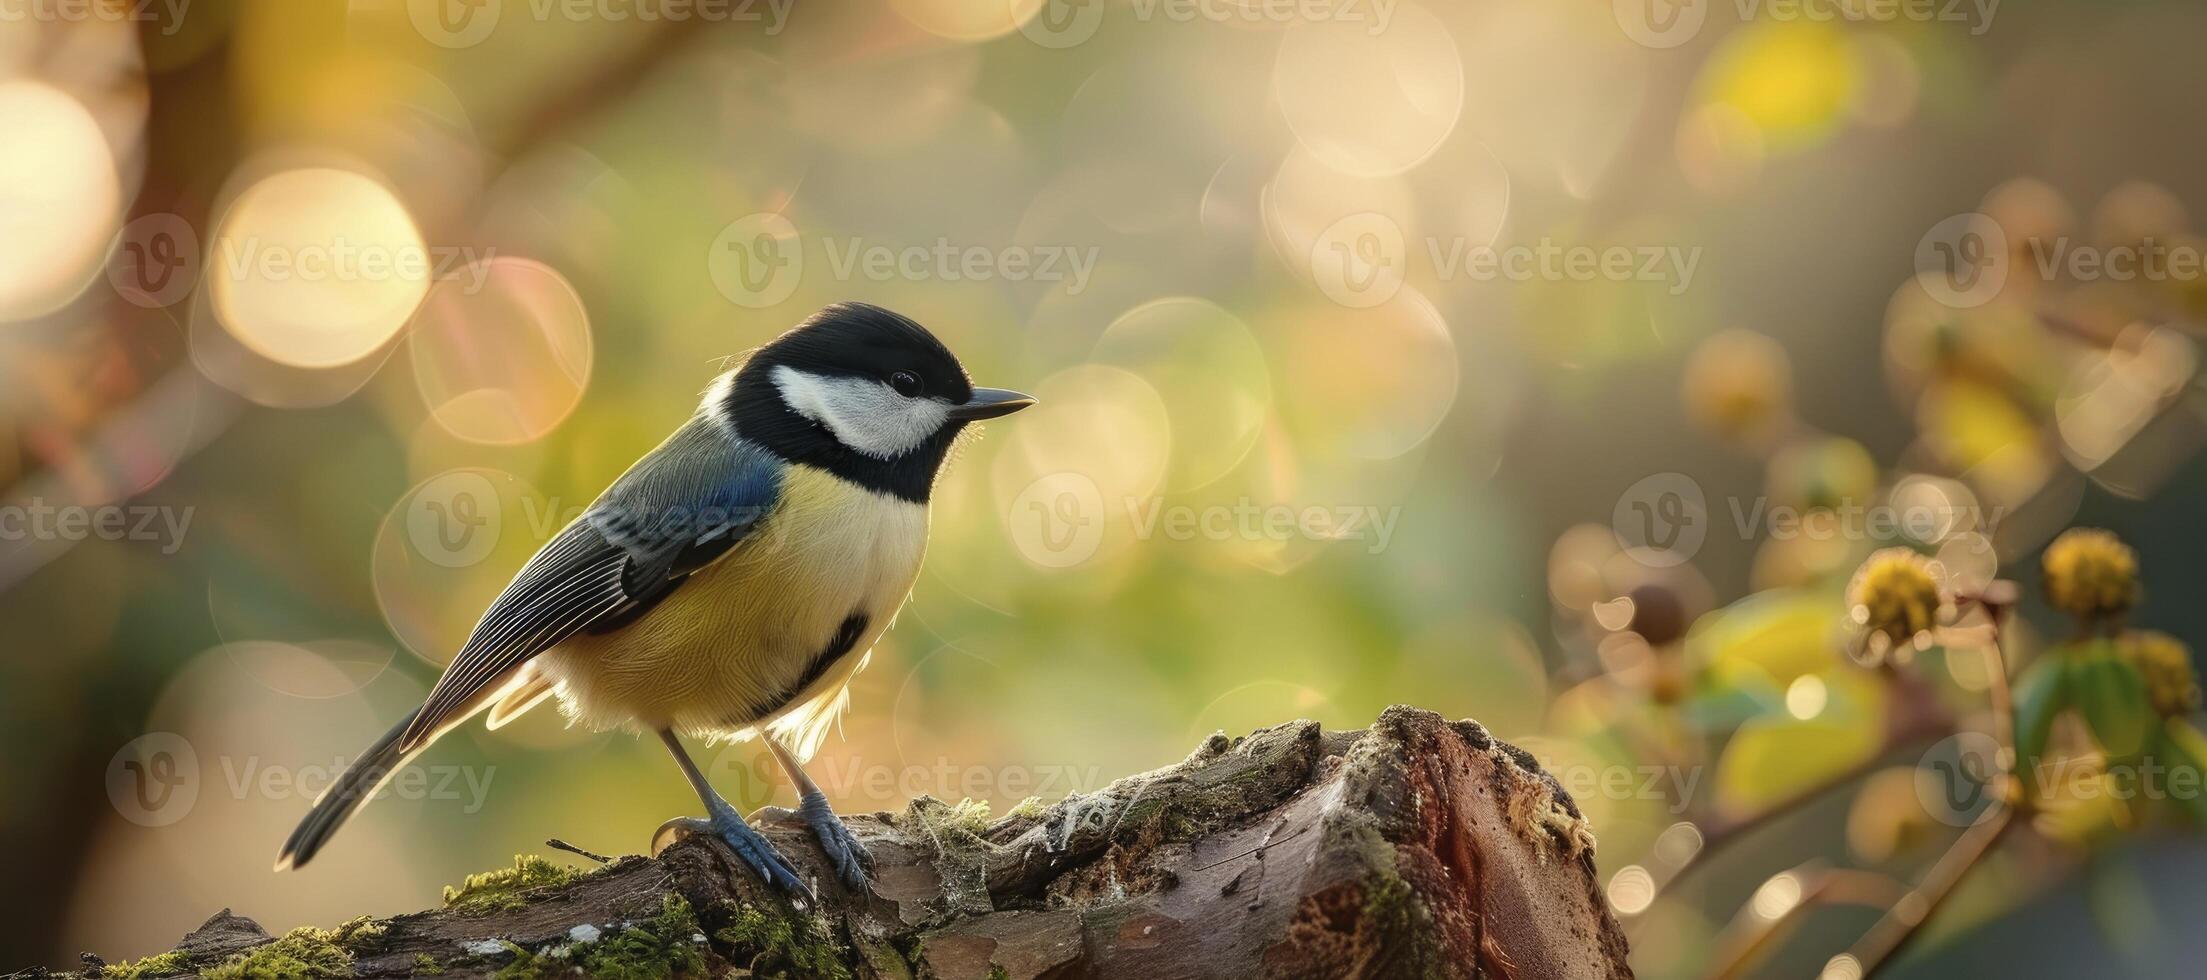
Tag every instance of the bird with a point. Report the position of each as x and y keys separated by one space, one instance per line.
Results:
x=730 y=584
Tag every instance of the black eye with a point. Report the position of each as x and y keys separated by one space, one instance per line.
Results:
x=906 y=383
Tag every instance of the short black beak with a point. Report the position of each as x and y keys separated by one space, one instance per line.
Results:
x=989 y=403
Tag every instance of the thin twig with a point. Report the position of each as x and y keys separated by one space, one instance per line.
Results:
x=1905 y=920
x=557 y=844
x=1835 y=886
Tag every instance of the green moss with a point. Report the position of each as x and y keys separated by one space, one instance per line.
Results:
x=529 y=966
x=1031 y=808
x=1388 y=901
x=662 y=947
x=358 y=932
x=301 y=953
x=1399 y=917
x=997 y=972
x=969 y=817
x=503 y=887
x=426 y=965
x=775 y=945
x=170 y=964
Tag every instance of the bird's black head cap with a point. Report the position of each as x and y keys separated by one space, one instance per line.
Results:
x=855 y=389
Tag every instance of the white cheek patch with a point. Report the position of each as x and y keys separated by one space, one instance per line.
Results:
x=866 y=415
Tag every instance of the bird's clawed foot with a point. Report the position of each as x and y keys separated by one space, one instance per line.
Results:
x=849 y=857
x=727 y=825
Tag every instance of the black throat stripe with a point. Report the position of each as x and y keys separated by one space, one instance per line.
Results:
x=846 y=637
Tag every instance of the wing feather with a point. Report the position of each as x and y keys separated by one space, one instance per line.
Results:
x=681 y=507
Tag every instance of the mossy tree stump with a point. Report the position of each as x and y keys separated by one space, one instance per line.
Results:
x=1416 y=848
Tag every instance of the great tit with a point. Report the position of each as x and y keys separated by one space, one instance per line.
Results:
x=731 y=583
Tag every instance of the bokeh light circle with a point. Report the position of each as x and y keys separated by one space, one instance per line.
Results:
x=502 y=351
x=1096 y=447
x=1367 y=101
x=60 y=199
x=1367 y=384
x=450 y=546
x=1308 y=205
x=1208 y=368
x=968 y=20
x=317 y=267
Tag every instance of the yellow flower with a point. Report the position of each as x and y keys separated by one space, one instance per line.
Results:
x=2090 y=573
x=1739 y=385
x=2166 y=664
x=1895 y=594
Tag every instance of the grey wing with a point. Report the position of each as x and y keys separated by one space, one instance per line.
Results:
x=678 y=509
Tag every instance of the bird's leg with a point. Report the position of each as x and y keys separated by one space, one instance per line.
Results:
x=724 y=822
x=849 y=857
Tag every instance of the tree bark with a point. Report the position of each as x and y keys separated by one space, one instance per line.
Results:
x=1415 y=848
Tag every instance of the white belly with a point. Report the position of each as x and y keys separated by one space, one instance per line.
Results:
x=738 y=648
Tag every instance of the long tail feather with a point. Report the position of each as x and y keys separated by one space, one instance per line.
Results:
x=360 y=781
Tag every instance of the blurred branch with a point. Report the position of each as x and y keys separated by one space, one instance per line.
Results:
x=1919 y=718
x=1830 y=886
x=1905 y=918
x=1906 y=914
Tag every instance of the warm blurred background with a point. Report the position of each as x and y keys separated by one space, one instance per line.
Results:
x=1543 y=361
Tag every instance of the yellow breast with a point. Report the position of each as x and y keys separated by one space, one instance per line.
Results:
x=736 y=648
